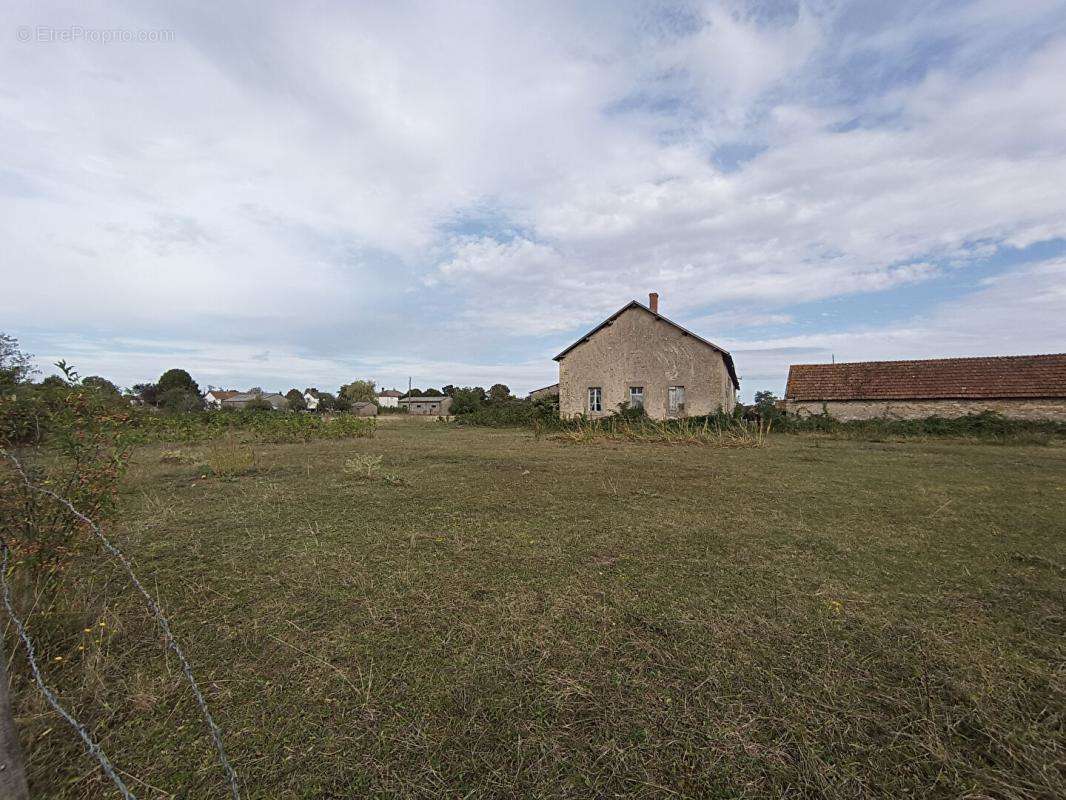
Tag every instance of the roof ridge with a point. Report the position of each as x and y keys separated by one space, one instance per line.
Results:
x=637 y=304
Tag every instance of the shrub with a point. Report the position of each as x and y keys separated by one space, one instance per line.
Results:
x=986 y=426
x=229 y=458
x=69 y=441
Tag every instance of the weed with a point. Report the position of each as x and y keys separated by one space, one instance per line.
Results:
x=363 y=466
x=229 y=458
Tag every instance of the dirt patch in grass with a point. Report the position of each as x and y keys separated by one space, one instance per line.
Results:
x=525 y=618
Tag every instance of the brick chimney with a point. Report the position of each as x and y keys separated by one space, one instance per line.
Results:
x=653 y=302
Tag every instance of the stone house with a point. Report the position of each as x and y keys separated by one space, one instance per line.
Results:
x=1019 y=387
x=638 y=357
x=544 y=392
x=427 y=406
x=390 y=398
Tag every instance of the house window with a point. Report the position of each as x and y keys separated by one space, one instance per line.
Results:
x=676 y=400
x=595 y=398
x=636 y=397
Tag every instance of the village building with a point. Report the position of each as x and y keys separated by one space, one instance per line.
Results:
x=1019 y=387
x=544 y=393
x=427 y=406
x=215 y=397
x=364 y=408
x=637 y=357
x=242 y=399
x=390 y=398
x=312 y=399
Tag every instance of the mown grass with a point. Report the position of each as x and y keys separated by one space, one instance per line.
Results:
x=525 y=618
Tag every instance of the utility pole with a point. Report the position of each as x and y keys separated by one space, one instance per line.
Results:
x=12 y=770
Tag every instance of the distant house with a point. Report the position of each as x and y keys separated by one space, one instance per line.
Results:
x=390 y=398
x=544 y=392
x=427 y=406
x=215 y=397
x=311 y=397
x=242 y=399
x=1021 y=387
x=364 y=408
x=638 y=357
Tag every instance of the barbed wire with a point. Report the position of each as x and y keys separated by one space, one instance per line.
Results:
x=153 y=607
x=53 y=701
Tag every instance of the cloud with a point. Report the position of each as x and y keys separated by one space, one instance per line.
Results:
x=1018 y=312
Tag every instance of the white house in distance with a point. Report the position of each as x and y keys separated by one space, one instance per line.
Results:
x=390 y=398
x=311 y=398
x=213 y=399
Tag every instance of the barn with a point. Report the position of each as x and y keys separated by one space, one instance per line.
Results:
x=1018 y=387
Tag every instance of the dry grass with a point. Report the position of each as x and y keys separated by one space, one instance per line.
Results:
x=809 y=618
x=229 y=458
x=716 y=433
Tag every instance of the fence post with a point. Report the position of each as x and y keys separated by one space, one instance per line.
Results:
x=12 y=772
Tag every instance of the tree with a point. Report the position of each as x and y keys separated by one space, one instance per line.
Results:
x=342 y=403
x=177 y=379
x=54 y=382
x=467 y=399
x=413 y=392
x=448 y=390
x=499 y=392
x=360 y=392
x=179 y=399
x=296 y=400
x=102 y=385
x=433 y=393
x=258 y=403
x=326 y=402
x=766 y=406
x=15 y=366
x=148 y=392
x=765 y=398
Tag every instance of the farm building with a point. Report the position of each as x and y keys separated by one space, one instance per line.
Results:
x=427 y=406
x=242 y=399
x=639 y=357
x=544 y=392
x=215 y=397
x=364 y=408
x=390 y=398
x=1020 y=387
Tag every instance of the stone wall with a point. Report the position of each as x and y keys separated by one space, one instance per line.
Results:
x=845 y=410
x=638 y=349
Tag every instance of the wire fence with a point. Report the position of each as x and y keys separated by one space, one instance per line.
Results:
x=156 y=612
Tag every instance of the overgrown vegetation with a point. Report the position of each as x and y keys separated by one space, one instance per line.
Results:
x=67 y=439
x=987 y=426
x=720 y=430
x=250 y=425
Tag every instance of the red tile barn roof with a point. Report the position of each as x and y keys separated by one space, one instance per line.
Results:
x=942 y=378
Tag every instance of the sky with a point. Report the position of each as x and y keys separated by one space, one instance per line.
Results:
x=302 y=194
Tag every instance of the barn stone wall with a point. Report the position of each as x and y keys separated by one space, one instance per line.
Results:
x=845 y=410
x=638 y=349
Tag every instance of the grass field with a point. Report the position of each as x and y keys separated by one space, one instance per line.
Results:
x=484 y=614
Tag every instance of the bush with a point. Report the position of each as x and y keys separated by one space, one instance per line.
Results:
x=228 y=458
x=986 y=426
x=68 y=440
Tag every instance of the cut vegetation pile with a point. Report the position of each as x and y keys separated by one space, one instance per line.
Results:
x=815 y=617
